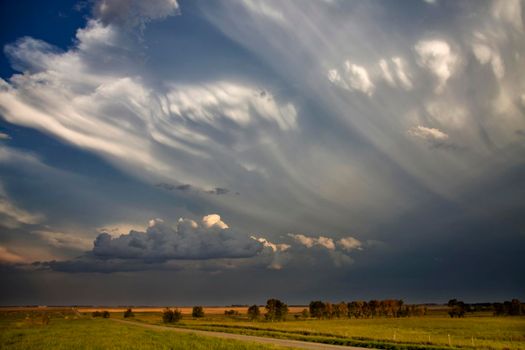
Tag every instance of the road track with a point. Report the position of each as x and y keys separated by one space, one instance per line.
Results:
x=298 y=344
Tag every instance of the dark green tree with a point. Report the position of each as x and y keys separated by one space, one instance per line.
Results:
x=276 y=310
x=197 y=312
x=253 y=312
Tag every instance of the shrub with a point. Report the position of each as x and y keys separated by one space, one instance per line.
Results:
x=171 y=316
x=231 y=312
x=105 y=314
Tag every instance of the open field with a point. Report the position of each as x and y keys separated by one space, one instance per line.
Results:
x=67 y=330
x=22 y=328
x=479 y=331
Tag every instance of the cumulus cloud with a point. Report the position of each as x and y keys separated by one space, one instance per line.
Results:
x=438 y=57
x=210 y=239
x=133 y=13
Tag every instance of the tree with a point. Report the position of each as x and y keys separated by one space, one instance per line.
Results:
x=105 y=314
x=197 y=312
x=317 y=309
x=253 y=312
x=340 y=310
x=276 y=310
x=171 y=316
x=457 y=308
x=129 y=313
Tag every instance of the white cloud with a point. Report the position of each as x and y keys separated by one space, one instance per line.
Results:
x=438 y=58
x=427 y=133
x=310 y=242
x=349 y=243
x=401 y=73
x=213 y=220
x=150 y=131
x=358 y=78
x=485 y=54
x=4 y=136
x=383 y=64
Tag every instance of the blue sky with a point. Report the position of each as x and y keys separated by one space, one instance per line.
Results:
x=254 y=149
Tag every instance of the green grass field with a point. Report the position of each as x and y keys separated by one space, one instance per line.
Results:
x=68 y=331
x=480 y=332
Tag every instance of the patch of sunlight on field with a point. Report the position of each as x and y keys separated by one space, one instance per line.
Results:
x=26 y=332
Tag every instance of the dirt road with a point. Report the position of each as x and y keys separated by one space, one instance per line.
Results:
x=264 y=340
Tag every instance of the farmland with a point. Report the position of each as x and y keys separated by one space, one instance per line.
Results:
x=25 y=330
x=480 y=330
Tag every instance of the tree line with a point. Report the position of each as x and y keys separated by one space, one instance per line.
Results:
x=364 y=309
x=276 y=310
x=512 y=307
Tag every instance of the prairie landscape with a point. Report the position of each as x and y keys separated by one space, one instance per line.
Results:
x=63 y=328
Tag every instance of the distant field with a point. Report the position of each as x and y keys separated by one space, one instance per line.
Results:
x=23 y=330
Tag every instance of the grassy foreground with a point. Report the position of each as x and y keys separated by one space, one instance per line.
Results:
x=428 y=332
x=67 y=331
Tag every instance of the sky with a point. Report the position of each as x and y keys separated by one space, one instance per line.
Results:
x=193 y=152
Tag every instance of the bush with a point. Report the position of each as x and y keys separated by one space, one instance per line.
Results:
x=105 y=314
x=197 y=312
x=231 y=312
x=171 y=316
x=129 y=313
